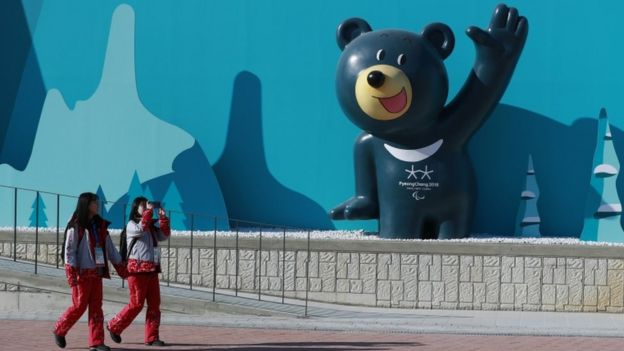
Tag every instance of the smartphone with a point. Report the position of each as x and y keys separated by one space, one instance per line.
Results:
x=155 y=204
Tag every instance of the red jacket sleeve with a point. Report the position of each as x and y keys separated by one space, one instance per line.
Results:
x=164 y=225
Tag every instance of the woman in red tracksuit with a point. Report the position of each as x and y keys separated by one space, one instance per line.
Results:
x=143 y=268
x=88 y=249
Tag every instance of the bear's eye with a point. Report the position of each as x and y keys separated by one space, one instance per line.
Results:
x=380 y=55
x=401 y=59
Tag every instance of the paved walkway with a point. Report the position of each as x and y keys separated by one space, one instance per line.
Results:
x=29 y=335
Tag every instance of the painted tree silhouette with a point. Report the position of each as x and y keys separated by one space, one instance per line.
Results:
x=604 y=222
x=100 y=194
x=43 y=219
x=134 y=191
x=173 y=202
x=528 y=219
x=147 y=192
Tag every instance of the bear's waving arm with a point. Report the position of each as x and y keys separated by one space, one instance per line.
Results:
x=364 y=204
x=498 y=49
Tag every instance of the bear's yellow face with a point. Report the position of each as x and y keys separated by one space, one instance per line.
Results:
x=383 y=92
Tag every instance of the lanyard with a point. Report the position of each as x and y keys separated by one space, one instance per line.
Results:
x=95 y=234
x=154 y=241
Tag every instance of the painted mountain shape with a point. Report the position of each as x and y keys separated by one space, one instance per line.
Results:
x=22 y=91
x=106 y=138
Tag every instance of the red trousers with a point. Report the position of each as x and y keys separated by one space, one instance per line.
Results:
x=87 y=293
x=142 y=287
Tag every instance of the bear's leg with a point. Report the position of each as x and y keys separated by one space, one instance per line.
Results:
x=429 y=228
x=454 y=228
x=412 y=227
x=456 y=222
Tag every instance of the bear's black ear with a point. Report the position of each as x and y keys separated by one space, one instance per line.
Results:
x=349 y=30
x=441 y=37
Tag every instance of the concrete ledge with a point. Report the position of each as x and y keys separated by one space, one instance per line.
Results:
x=441 y=247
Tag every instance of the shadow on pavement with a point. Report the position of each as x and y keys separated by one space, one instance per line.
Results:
x=290 y=346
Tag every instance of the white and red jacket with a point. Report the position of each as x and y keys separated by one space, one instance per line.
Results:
x=142 y=241
x=80 y=251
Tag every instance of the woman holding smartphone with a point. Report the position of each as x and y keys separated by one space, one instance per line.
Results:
x=143 y=236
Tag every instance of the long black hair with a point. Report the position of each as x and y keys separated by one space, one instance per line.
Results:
x=134 y=211
x=81 y=214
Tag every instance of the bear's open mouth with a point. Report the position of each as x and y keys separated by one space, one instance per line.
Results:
x=396 y=103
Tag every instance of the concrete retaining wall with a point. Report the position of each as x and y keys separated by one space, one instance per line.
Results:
x=404 y=274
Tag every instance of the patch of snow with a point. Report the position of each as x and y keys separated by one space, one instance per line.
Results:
x=355 y=235
x=527 y=195
x=610 y=208
x=531 y=220
x=605 y=170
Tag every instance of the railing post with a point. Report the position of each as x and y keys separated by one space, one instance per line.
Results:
x=307 y=276
x=58 y=226
x=260 y=267
x=283 y=265
x=191 y=253
x=36 y=231
x=123 y=226
x=214 y=261
x=15 y=224
x=169 y=255
x=237 y=262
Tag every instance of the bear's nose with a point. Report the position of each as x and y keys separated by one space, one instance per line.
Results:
x=375 y=79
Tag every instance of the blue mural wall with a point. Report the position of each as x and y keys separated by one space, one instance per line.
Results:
x=232 y=104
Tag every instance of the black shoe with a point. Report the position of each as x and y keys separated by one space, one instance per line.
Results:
x=100 y=348
x=155 y=343
x=60 y=341
x=116 y=337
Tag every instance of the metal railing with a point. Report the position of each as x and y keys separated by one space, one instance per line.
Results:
x=231 y=228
